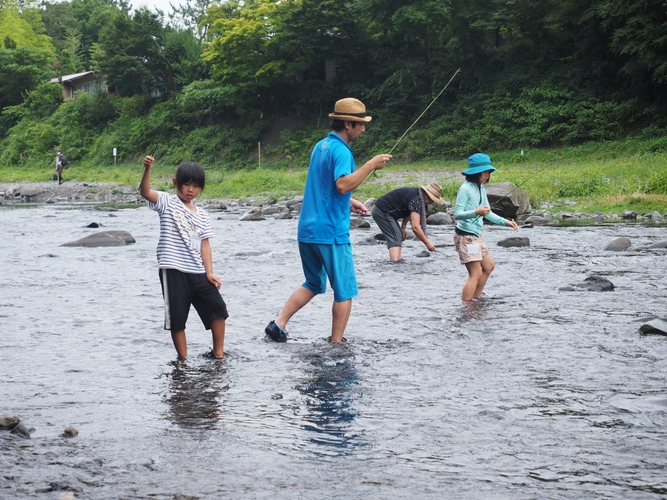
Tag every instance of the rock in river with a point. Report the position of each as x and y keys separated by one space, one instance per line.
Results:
x=514 y=241
x=439 y=219
x=618 y=245
x=596 y=283
x=103 y=239
x=659 y=244
x=8 y=421
x=359 y=223
x=253 y=214
x=507 y=200
x=654 y=326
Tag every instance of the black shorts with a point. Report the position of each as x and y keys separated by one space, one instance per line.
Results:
x=180 y=290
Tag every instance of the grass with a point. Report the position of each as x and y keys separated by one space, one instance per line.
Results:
x=605 y=177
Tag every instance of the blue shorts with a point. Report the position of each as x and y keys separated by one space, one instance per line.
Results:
x=336 y=262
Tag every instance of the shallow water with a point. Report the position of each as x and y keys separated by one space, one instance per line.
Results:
x=531 y=393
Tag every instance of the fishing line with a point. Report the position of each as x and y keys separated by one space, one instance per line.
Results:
x=419 y=117
x=497 y=203
x=424 y=112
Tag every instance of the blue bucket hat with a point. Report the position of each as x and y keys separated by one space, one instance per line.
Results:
x=479 y=162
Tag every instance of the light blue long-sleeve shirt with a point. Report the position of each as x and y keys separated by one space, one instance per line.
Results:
x=469 y=198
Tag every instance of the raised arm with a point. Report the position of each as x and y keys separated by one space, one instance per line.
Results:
x=145 y=186
x=348 y=183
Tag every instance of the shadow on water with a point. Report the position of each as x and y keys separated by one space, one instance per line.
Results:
x=193 y=396
x=330 y=385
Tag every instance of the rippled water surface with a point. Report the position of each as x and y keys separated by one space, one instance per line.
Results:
x=532 y=393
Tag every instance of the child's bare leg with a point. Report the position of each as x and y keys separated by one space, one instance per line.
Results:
x=299 y=298
x=180 y=343
x=218 y=332
x=340 y=314
x=474 y=275
x=487 y=268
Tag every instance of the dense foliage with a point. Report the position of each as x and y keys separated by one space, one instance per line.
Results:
x=211 y=81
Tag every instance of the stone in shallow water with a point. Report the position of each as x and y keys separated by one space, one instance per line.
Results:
x=514 y=241
x=252 y=215
x=536 y=220
x=439 y=219
x=596 y=284
x=8 y=421
x=659 y=244
x=359 y=224
x=654 y=326
x=618 y=245
x=103 y=239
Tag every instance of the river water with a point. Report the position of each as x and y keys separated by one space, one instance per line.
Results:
x=531 y=393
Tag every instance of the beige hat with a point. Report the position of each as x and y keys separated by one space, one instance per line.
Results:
x=434 y=191
x=350 y=110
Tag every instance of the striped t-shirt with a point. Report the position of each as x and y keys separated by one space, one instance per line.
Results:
x=181 y=234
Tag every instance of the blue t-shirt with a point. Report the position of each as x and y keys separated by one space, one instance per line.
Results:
x=325 y=213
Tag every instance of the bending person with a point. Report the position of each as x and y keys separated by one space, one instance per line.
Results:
x=408 y=204
x=471 y=206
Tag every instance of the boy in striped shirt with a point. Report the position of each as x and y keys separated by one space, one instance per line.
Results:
x=184 y=257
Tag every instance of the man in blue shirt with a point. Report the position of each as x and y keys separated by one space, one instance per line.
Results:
x=324 y=222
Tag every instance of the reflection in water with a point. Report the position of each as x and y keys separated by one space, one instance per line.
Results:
x=194 y=392
x=329 y=389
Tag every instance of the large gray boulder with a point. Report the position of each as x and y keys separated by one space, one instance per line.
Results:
x=254 y=213
x=439 y=219
x=596 y=283
x=514 y=241
x=8 y=421
x=273 y=210
x=507 y=200
x=659 y=244
x=103 y=239
x=370 y=203
x=536 y=220
x=654 y=326
x=618 y=245
x=358 y=223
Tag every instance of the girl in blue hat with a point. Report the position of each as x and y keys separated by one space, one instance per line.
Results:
x=471 y=205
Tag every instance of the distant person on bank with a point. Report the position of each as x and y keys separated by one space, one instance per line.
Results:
x=410 y=205
x=59 y=167
x=472 y=206
x=324 y=222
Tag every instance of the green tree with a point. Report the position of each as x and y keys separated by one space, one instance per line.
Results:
x=134 y=66
x=21 y=31
x=638 y=32
x=22 y=69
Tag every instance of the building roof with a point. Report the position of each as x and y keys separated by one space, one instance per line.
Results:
x=71 y=78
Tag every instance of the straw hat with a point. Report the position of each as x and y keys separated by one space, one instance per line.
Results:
x=434 y=191
x=350 y=110
x=479 y=162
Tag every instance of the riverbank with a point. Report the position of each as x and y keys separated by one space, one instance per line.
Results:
x=257 y=207
x=607 y=178
x=119 y=193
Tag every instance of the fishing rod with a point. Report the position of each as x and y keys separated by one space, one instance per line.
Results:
x=418 y=118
